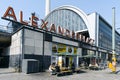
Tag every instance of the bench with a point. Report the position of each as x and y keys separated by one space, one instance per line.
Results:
x=103 y=66
x=94 y=68
x=78 y=70
x=64 y=73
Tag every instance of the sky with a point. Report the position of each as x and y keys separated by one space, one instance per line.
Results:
x=103 y=7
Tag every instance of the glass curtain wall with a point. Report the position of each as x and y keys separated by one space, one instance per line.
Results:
x=66 y=18
x=117 y=43
x=105 y=35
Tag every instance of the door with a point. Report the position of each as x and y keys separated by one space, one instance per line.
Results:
x=67 y=61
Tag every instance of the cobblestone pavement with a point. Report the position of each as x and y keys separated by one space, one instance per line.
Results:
x=88 y=75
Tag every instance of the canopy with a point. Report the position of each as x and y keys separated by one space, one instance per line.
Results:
x=89 y=56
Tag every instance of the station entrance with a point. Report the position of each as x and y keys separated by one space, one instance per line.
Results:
x=67 y=61
x=5 y=41
x=4 y=59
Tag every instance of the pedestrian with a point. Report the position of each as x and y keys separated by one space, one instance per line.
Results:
x=52 y=68
x=73 y=67
x=57 y=68
x=113 y=66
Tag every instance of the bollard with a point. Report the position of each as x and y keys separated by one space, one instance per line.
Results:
x=110 y=65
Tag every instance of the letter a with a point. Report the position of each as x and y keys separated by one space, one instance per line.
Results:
x=10 y=13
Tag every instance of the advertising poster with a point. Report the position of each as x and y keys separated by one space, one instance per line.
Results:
x=61 y=48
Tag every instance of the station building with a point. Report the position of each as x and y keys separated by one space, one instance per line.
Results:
x=69 y=36
x=92 y=26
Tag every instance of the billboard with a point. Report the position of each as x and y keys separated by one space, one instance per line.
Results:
x=64 y=49
x=61 y=48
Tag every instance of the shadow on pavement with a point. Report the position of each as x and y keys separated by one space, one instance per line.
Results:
x=81 y=71
x=117 y=72
x=6 y=72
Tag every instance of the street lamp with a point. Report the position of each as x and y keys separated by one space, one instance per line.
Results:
x=113 y=43
x=113 y=32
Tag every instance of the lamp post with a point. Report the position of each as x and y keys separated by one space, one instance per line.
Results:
x=113 y=32
x=113 y=42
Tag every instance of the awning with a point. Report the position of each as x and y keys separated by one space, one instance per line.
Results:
x=89 y=56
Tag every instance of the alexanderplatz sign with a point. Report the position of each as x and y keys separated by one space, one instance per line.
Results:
x=10 y=15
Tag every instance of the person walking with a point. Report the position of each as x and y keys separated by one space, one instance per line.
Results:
x=52 y=69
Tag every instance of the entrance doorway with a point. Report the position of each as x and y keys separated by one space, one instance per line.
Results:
x=4 y=60
x=67 y=62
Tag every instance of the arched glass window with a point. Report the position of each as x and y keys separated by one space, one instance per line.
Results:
x=66 y=18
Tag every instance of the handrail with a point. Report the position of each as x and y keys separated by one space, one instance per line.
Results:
x=4 y=28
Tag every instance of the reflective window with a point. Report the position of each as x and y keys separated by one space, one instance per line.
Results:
x=105 y=35
x=66 y=18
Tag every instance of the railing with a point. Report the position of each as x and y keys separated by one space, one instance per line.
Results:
x=5 y=29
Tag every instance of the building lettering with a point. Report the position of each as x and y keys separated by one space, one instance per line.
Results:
x=34 y=23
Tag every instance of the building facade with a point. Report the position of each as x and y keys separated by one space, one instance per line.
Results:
x=67 y=36
x=89 y=25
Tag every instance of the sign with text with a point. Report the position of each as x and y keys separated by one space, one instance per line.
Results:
x=10 y=15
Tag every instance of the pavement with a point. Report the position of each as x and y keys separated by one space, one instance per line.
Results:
x=106 y=74
x=6 y=70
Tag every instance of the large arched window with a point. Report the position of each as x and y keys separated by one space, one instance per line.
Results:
x=66 y=18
